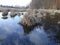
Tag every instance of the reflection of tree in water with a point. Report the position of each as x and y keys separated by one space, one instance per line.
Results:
x=4 y=17
x=53 y=25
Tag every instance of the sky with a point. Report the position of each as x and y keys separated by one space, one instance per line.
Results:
x=15 y=2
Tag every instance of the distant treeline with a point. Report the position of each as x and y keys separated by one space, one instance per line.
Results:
x=47 y=4
x=9 y=6
x=12 y=7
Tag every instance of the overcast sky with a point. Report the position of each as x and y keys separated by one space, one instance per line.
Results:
x=15 y=2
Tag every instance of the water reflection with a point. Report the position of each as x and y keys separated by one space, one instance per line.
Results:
x=9 y=26
x=4 y=17
x=15 y=39
x=11 y=33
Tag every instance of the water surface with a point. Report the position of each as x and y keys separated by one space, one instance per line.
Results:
x=11 y=33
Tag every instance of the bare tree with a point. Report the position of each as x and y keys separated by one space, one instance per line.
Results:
x=52 y=4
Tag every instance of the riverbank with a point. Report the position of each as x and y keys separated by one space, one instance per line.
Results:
x=36 y=17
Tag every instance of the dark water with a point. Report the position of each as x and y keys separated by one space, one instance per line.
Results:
x=11 y=33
